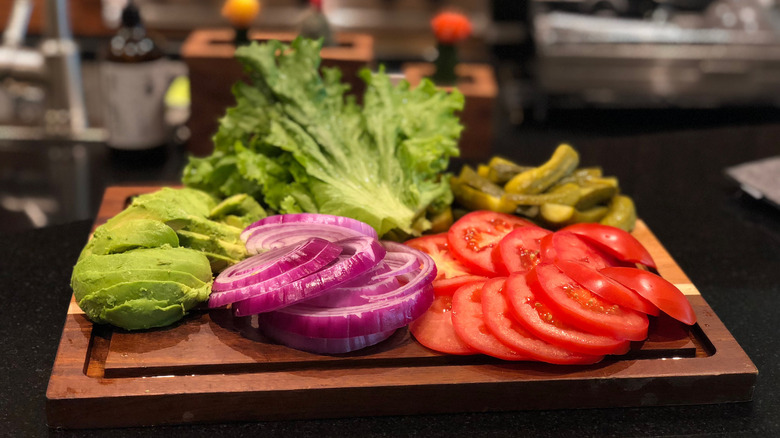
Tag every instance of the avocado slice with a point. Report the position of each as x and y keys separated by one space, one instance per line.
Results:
x=131 y=234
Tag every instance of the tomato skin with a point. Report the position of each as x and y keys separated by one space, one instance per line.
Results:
x=473 y=238
x=606 y=288
x=469 y=324
x=519 y=250
x=655 y=289
x=542 y=322
x=614 y=241
x=564 y=245
x=448 y=286
x=581 y=308
x=502 y=323
x=434 y=329
x=437 y=246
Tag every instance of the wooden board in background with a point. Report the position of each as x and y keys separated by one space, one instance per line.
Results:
x=212 y=368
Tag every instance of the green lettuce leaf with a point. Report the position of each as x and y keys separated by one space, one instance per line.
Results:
x=297 y=142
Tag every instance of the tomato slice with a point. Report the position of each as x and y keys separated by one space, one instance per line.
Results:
x=581 y=308
x=518 y=251
x=614 y=241
x=434 y=330
x=502 y=323
x=606 y=288
x=473 y=237
x=564 y=245
x=437 y=246
x=469 y=324
x=655 y=289
x=543 y=322
x=448 y=286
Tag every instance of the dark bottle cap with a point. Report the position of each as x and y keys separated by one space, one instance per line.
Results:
x=131 y=17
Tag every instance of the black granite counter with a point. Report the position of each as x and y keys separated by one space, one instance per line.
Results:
x=727 y=243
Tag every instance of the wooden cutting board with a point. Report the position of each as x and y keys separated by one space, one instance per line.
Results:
x=211 y=367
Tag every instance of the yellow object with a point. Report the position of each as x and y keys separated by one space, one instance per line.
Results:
x=240 y=13
x=621 y=213
x=538 y=179
x=178 y=93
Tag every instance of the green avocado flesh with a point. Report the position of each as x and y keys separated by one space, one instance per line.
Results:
x=154 y=261
x=161 y=282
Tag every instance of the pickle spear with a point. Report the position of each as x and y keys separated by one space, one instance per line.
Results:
x=538 y=179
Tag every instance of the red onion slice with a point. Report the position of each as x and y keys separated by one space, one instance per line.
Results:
x=383 y=312
x=324 y=345
x=399 y=260
x=359 y=255
x=310 y=218
x=271 y=270
x=353 y=295
x=307 y=256
x=274 y=236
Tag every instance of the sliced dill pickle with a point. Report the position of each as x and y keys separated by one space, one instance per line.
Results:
x=441 y=220
x=483 y=170
x=567 y=194
x=538 y=179
x=469 y=176
x=558 y=215
x=474 y=199
x=621 y=213
x=595 y=194
x=582 y=175
x=501 y=170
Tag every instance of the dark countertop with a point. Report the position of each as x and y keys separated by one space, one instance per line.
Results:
x=671 y=162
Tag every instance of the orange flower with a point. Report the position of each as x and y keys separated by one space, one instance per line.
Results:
x=451 y=27
x=240 y=13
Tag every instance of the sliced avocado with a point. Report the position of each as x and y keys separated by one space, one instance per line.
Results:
x=95 y=280
x=166 y=204
x=131 y=234
x=238 y=210
x=142 y=314
x=151 y=303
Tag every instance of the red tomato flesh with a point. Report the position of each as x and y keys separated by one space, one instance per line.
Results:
x=563 y=245
x=614 y=241
x=543 y=322
x=606 y=288
x=434 y=328
x=437 y=247
x=518 y=251
x=469 y=324
x=583 y=309
x=473 y=238
x=655 y=289
x=448 y=286
x=502 y=323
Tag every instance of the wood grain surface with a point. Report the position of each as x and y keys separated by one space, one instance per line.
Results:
x=210 y=367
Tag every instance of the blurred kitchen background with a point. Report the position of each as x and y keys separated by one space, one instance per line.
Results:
x=577 y=67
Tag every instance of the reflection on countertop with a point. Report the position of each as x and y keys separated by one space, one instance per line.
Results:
x=48 y=182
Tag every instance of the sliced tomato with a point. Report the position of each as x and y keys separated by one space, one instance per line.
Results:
x=518 y=251
x=434 y=328
x=538 y=319
x=564 y=245
x=473 y=238
x=606 y=288
x=502 y=323
x=655 y=289
x=437 y=246
x=469 y=324
x=583 y=309
x=448 y=286
x=614 y=241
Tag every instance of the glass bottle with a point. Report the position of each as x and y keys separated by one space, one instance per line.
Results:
x=135 y=78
